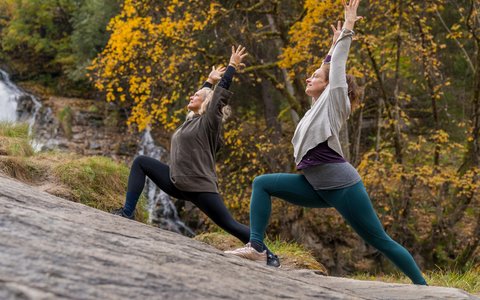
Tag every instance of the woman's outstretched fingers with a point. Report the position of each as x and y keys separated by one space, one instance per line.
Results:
x=238 y=54
x=338 y=28
x=240 y=50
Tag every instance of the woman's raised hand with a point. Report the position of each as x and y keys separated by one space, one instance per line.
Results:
x=336 y=31
x=237 y=57
x=351 y=13
x=216 y=74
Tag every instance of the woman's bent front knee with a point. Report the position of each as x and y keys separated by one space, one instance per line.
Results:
x=263 y=181
x=140 y=160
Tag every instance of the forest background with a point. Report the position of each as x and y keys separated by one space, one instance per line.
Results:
x=414 y=140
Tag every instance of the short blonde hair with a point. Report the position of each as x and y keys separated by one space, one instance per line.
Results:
x=207 y=95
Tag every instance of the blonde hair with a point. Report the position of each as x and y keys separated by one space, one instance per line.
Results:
x=207 y=95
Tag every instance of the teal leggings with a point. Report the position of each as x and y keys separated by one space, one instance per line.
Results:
x=352 y=203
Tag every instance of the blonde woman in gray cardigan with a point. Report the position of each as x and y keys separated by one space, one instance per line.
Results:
x=328 y=180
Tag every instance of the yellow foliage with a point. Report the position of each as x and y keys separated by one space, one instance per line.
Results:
x=309 y=35
x=418 y=180
x=141 y=61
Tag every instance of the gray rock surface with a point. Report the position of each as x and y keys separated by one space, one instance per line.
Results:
x=51 y=248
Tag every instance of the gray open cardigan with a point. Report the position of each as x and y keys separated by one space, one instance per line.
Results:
x=324 y=120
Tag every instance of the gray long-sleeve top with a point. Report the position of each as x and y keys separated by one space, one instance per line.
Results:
x=324 y=120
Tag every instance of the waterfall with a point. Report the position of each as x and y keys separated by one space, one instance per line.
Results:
x=8 y=99
x=161 y=209
x=16 y=105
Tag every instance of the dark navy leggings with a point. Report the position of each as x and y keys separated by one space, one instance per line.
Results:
x=209 y=203
x=352 y=203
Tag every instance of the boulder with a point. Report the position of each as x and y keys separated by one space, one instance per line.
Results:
x=51 y=248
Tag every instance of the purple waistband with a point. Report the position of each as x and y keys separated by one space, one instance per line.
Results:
x=321 y=154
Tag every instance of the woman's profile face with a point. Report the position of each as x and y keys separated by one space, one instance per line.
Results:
x=196 y=101
x=317 y=83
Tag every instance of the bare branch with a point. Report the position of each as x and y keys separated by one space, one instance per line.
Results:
x=260 y=67
x=467 y=57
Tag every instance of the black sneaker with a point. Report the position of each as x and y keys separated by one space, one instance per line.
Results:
x=273 y=260
x=120 y=212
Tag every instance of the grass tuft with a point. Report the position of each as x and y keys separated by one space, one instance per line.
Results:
x=468 y=280
x=295 y=256
x=98 y=182
x=15 y=147
x=93 y=178
x=65 y=116
x=22 y=169
x=292 y=255
x=14 y=130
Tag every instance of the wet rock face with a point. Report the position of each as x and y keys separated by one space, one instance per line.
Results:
x=85 y=127
x=26 y=107
x=51 y=248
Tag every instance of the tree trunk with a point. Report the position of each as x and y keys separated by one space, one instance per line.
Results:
x=472 y=158
x=396 y=106
x=397 y=136
x=286 y=79
x=345 y=142
x=429 y=75
x=270 y=111
x=378 y=138
x=357 y=136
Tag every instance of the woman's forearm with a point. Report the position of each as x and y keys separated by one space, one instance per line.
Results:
x=349 y=24
x=207 y=84
x=339 y=60
x=227 y=78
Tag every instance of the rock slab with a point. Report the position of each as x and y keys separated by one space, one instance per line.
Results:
x=51 y=248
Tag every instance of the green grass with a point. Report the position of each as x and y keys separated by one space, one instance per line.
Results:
x=98 y=182
x=14 y=130
x=292 y=255
x=295 y=255
x=13 y=146
x=22 y=168
x=468 y=280
x=65 y=116
x=14 y=140
x=92 y=177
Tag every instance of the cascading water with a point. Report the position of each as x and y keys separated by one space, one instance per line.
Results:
x=8 y=101
x=161 y=208
x=15 y=104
